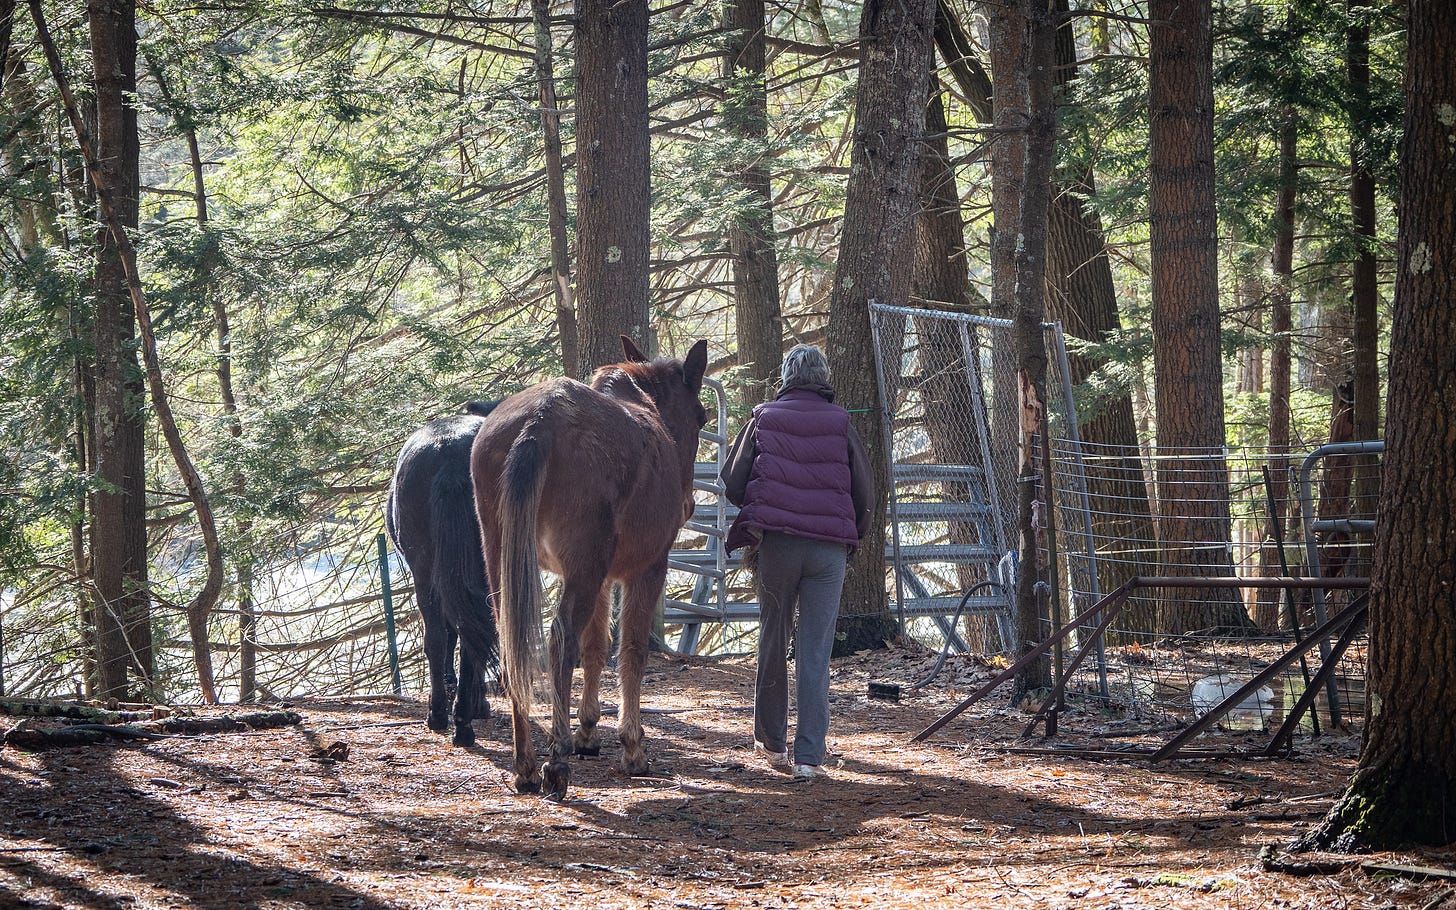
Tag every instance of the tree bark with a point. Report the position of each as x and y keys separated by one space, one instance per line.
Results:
x=879 y=216
x=1404 y=790
x=613 y=186
x=1038 y=570
x=563 y=292
x=118 y=513
x=1008 y=156
x=1082 y=296
x=756 y=311
x=200 y=610
x=1187 y=353
x=108 y=60
x=1267 y=612
x=946 y=379
x=1364 y=291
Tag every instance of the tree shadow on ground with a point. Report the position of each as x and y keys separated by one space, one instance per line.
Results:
x=78 y=805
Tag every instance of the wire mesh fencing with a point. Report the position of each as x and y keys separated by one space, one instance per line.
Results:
x=1288 y=513
x=1122 y=508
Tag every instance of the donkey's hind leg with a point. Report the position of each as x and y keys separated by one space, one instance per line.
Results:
x=469 y=698
x=528 y=774
x=596 y=641
x=437 y=655
x=639 y=602
x=563 y=653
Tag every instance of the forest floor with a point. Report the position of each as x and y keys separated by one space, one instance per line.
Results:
x=265 y=820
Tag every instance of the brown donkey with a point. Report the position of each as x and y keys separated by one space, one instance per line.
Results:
x=591 y=482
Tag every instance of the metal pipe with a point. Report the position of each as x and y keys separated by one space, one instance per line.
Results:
x=1311 y=545
x=389 y=615
x=1276 y=525
x=1089 y=543
x=887 y=418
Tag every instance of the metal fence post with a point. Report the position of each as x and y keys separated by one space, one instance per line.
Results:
x=389 y=615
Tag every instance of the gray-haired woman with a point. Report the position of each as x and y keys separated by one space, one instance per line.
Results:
x=799 y=473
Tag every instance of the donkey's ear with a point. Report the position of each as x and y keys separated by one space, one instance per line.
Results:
x=695 y=365
x=633 y=354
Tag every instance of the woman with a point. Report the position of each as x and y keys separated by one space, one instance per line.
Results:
x=799 y=473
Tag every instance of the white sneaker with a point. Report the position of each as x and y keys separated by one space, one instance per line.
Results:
x=777 y=760
x=809 y=772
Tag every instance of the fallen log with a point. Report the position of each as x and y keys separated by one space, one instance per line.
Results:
x=224 y=723
x=29 y=736
x=38 y=739
x=36 y=707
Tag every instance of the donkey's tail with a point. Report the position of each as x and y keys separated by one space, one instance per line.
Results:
x=520 y=581
x=458 y=575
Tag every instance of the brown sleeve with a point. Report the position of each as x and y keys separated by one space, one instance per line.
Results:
x=739 y=465
x=861 y=485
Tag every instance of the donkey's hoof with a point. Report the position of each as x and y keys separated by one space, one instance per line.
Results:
x=528 y=784
x=587 y=743
x=635 y=767
x=557 y=775
x=464 y=735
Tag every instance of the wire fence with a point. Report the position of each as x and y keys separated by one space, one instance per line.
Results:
x=1122 y=509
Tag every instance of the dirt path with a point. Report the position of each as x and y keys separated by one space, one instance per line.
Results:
x=406 y=820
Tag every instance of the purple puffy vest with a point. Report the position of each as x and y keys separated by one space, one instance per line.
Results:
x=800 y=479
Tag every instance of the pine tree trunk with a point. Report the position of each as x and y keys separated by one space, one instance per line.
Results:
x=613 y=185
x=1267 y=612
x=247 y=636
x=946 y=378
x=106 y=40
x=1187 y=351
x=879 y=218
x=1404 y=790
x=1036 y=503
x=1364 y=292
x=756 y=310
x=565 y=296
x=1081 y=295
x=118 y=515
x=1008 y=157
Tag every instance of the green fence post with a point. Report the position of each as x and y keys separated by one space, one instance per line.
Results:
x=389 y=615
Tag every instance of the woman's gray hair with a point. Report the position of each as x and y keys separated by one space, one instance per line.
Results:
x=804 y=365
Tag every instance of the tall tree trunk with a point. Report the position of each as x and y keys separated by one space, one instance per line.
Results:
x=612 y=202
x=1010 y=115
x=879 y=216
x=1035 y=501
x=946 y=379
x=555 y=192
x=1364 y=295
x=1404 y=790
x=756 y=311
x=206 y=266
x=108 y=60
x=118 y=514
x=1082 y=296
x=1187 y=354
x=1267 y=612
x=1008 y=162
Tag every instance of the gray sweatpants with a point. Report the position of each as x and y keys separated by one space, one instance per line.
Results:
x=807 y=574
